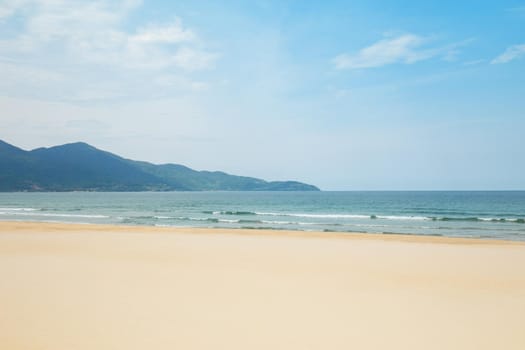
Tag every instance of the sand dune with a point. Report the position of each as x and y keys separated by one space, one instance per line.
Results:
x=104 y=287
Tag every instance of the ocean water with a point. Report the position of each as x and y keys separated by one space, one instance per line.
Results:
x=492 y=214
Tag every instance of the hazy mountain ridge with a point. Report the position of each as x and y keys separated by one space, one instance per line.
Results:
x=82 y=167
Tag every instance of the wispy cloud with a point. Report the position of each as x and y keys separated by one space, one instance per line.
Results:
x=9 y=7
x=404 y=49
x=174 y=33
x=90 y=32
x=66 y=38
x=510 y=54
x=474 y=62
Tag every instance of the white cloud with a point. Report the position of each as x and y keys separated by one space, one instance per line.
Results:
x=511 y=53
x=7 y=9
x=10 y=7
x=173 y=33
x=192 y=59
x=406 y=49
x=90 y=33
x=85 y=43
x=473 y=62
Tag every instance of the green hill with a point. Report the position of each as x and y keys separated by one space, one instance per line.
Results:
x=81 y=167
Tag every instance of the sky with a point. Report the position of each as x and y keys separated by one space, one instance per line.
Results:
x=346 y=95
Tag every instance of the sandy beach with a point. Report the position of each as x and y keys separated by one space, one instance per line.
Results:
x=66 y=286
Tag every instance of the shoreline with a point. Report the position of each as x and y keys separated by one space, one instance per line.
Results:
x=21 y=226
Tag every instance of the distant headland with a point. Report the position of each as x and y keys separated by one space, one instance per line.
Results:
x=82 y=167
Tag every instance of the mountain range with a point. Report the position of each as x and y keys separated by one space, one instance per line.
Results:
x=82 y=167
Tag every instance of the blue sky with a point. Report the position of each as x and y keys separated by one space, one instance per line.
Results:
x=349 y=95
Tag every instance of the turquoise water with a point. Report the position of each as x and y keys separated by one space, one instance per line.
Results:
x=453 y=214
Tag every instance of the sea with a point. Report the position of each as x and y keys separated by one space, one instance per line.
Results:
x=477 y=214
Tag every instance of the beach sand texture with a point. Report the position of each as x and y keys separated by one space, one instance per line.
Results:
x=102 y=287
